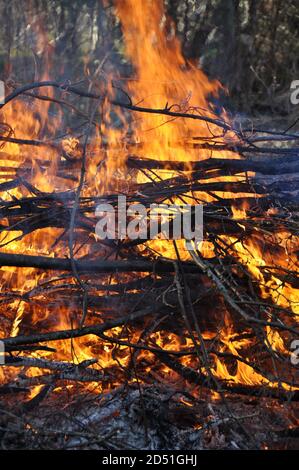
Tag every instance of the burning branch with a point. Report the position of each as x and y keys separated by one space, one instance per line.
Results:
x=247 y=213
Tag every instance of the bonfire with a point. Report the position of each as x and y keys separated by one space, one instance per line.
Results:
x=144 y=342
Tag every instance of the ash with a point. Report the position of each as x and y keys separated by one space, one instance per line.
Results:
x=149 y=418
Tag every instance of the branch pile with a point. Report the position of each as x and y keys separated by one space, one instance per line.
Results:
x=125 y=297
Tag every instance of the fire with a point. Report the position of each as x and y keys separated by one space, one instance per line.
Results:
x=162 y=79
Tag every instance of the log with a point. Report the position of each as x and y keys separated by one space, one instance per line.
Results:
x=91 y=266
x=269 y=166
